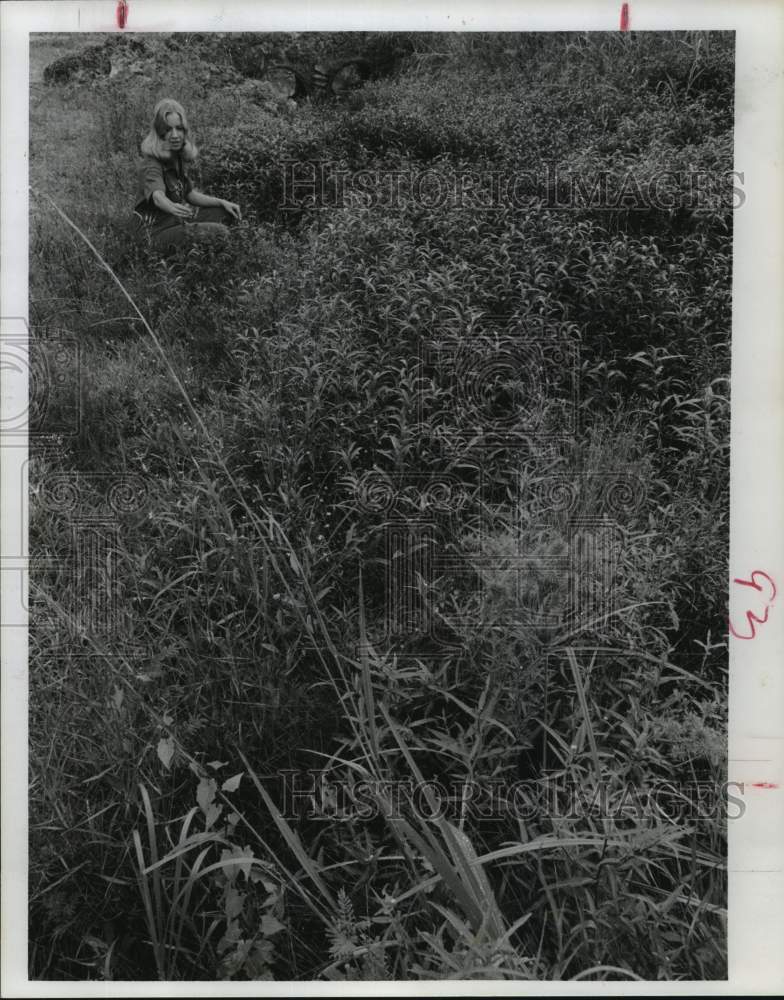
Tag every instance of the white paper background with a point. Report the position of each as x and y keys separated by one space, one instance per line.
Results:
x=756 y=896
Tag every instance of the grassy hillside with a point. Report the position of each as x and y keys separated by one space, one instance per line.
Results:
x=534 y=394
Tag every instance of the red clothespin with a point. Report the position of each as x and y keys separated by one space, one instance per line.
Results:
x=122 y=13
x=624 y=17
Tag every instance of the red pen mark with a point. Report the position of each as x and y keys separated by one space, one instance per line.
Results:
x=764 y=784
x=751 y=617
x=122 y=13
x=624 y=17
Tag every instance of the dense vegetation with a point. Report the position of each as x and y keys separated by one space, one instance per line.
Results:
x=481 y=379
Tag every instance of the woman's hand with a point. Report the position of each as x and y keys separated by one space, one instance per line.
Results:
x=174 y=208
x=180 y=211
x=232 y=209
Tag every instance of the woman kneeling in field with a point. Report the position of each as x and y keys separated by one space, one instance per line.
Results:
x=168 y=208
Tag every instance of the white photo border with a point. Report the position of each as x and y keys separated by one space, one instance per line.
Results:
x=756 y=844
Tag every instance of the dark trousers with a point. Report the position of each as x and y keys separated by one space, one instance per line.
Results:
x=207 y=224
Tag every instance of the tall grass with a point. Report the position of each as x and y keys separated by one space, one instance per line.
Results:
x=287 y=402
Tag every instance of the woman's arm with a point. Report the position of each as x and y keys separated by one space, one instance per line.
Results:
x=204 y=200
x=207 y=201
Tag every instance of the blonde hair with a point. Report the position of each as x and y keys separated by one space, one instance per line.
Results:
x=152 y=145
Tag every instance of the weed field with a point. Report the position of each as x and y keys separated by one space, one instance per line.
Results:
x=379 y=629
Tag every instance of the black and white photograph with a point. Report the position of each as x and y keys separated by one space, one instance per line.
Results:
x=378 y=506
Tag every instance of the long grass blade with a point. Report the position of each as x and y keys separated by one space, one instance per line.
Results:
x=367 y=682
x=292 y=839
x=580 y=689
x=152 y=926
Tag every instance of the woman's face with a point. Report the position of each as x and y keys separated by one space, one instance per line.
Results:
x=174 y=136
